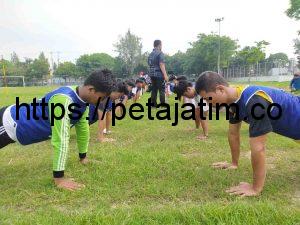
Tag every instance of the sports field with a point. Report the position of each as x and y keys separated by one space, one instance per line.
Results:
x=153 y=174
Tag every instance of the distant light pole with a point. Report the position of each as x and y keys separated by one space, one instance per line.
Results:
x=219 y=20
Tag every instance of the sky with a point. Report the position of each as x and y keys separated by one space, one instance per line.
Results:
x=78 y=27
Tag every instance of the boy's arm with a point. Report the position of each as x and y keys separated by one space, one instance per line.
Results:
x=60 y=134
x=258 y=146
x=83 y=134
x=258 y=130
x=60 y=142
x=234 y=143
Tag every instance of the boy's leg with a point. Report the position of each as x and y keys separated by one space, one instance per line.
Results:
x=4 y=138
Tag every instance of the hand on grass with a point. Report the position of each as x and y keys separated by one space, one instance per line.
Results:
x=243 y=189
x=224 y=165
x=68 y=184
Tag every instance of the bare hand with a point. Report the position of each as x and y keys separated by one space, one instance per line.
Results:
x=224 y=165
x=243 y=189
x=68 y=184
x=84 y=161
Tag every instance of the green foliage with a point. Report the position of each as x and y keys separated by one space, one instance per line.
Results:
x=66 y=69
x=279 y=57
x=251 y=54
x=203 y=54
x=175 y=63
x=39 y=68
x=143 y=64
x=297 y=50
x=294 y=10
x=129 y=49
x=88 y=63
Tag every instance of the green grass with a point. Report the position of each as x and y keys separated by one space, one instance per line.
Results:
x=153 y=174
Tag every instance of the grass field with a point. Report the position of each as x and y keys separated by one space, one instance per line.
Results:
x=153 y=174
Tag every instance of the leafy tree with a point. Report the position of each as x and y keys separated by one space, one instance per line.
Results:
x=39 y=68
x=250 y=54
x=129 y=49
x=15 y=59
x=66 y=69
x=175 y=63
x=297 y=50
x=278 y=58
x=89 y=63
x=120 y=69
x=143 y=64
x=203 y=54
x=294 y=10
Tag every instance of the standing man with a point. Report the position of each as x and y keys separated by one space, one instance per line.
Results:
x=157 y=72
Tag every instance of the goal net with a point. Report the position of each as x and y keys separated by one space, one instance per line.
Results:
x=12 y=81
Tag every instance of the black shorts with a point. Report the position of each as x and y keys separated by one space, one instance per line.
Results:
x=4 y=138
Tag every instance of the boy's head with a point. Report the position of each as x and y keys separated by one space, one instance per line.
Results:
x=130 y=85
x=119 y=90
x=97 y=85
x=212 y=85
x=172 y=77
x=139 y=83
x=184 y=88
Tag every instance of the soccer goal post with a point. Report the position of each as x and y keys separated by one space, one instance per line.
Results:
x=12 y=81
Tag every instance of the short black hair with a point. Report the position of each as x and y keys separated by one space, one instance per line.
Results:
x=121 y=87
x=182 y=87
x=208 y=81
x=130 y=83
x=140 y=80
x=182 y=77
x=101 y=80
x=156 y=43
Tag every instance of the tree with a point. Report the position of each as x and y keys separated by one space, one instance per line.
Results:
x=39 y=68
x=175 y=63
x=119 y=69
x=129 y=50
x=89 y=63
x=297 y=50
x=250 y=54
x=278 y=58
x=143 y=64
x=15 y=59
x=203 y=54
x=66 y=69
x=294 y=10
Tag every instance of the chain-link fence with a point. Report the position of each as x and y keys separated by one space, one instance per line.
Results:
x=261 y=72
